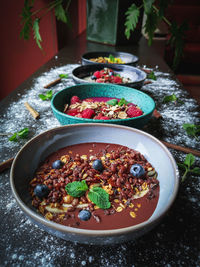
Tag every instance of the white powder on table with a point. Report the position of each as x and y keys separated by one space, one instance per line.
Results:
x=25 y=244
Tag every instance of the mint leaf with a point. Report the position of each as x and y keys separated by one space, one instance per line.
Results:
x=112 y=58
x=170 y=98
x=132 y=16
x=189 y=160
x=63 y=76
x=112 y=102
x=192 y=129
x=99 y=197
x=151 y=76
x=122 y=102
x=77 y=188
x=186 y=165
x=48 y=95
x=23 y=133
x=13 y=137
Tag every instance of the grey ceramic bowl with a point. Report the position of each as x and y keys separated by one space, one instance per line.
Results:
x=129 y=59
x=136 y=76
x=38 y=148
x=145 y=102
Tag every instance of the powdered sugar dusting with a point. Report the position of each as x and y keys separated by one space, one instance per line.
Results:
x=172 y=243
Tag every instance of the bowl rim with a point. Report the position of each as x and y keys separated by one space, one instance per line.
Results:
x=115 y=68
x=86 y=232
x=135 y=60
x=104 y=85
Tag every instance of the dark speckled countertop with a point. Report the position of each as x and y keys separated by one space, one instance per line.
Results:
x=174 y=242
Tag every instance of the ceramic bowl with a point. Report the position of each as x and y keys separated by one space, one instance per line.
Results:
x=145 y=102
x=135 y=75
x=127 y=58
x=38 y=148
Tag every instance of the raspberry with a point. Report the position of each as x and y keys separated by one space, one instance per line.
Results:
x=100 y=80
x=100 y=116
x=88 y=113
x=134 y=112
x=117 y=79
x=97 y=74
x=104 y=118
x=72 y=112
x=75 y=99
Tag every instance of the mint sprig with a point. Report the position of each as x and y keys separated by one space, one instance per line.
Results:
x=112 y=58
x=21 y=134
x=192 y=129
x=187 y=166
x=151 y=76
x=63 y=76
x=76 y=188
x=47 y=96
x=99 y=197
x=172 y=98
x=122 y=102
x=112 y=102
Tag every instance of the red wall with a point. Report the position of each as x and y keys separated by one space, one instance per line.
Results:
x=18 y=58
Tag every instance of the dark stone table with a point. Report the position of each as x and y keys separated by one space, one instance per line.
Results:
x=174 y=242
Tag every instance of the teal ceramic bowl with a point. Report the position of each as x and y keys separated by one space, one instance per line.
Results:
x=142 y=100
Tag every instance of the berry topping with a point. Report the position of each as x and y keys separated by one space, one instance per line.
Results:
x=84 y=215
x=97 y=165
x=97 y=74
x=137 y=170
x=41 y=190
x=133 y=111
x=57 y=164
x=88 y=113
x=72 y=112
x=93 y=77
x=75 y=99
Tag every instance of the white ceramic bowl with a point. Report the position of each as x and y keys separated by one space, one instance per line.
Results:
x=38 y=148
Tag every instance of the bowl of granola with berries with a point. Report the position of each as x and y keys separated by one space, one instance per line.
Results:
x=94 y=183
x=101 y=73
x=107 y=103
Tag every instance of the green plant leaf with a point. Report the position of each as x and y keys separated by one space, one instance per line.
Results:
x=170 y=98
x=63 y=76
x=23 y=133
x=177 y=41
x=48 y=95
x=13 y=137
x=77 y=188
x=132 y=16
x=151 y=76
x=151 y=25
x=99 y=197
x=192 y=129
x=26 y=19
x=60 y=13
x=36 y=32
x=189 y=160
x=195 y=170
x=122 y=102
x=112 y=58
x=112 y=102
x=148 y=6
x=163 y=4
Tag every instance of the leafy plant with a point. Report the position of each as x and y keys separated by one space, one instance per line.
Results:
x=187 y=164
x=21 y=134
x=154 y=14
x=31 y=18
x=76 y=188
x=151 y=76
x=47 y=96
x=172 y=98
x=192 y=129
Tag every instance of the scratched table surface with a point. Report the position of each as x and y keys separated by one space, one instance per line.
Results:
x=174 y=242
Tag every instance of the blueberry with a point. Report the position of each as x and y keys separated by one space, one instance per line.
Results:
x=84 y=215
x=41 y=190
x=111 y=73
x=97 y=165
x=57 y=164
x=93 y=77
x=137 y=170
